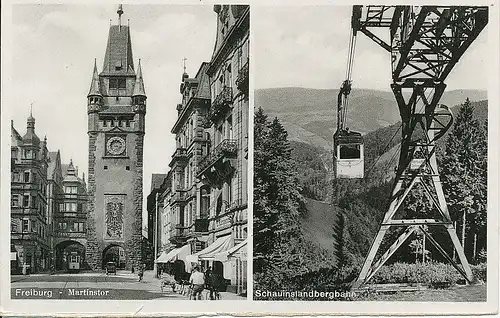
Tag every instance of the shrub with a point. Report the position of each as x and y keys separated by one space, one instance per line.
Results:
x=428 y=273
x=479 y=271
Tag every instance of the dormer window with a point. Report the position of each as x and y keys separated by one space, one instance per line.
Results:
x=118 y=66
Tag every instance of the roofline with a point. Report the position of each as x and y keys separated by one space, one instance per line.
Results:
x=217 y=55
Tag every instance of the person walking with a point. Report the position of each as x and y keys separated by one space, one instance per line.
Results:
x=216 y=282
x=197 y=282
x=140 y=272
x=209 y=282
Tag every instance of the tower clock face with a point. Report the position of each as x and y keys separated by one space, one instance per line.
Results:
x=115 y=146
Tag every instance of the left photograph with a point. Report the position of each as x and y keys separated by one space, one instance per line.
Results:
x=129 y=149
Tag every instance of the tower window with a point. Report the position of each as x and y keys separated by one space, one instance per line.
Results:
x=127 y=167
x=105 y=167
x=117 y=83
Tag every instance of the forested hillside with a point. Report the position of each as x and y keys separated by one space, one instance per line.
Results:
x=337 y=219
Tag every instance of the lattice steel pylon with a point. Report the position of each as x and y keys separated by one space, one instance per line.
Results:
x=425 y=43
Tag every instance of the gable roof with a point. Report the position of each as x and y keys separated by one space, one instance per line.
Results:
x=54 y=163
x=157 y=180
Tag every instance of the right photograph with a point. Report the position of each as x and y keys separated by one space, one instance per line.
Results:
x=370 y=153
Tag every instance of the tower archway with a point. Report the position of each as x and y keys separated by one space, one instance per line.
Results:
x=70 y=255
x=114 y=253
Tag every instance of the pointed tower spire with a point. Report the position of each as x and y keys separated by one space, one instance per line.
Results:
x=184 y=74
x=31 y=119
x=139 y=83
x=71 y=169
x=118 y=59
x=95 y=89
x=30 y=137
x=120 y=12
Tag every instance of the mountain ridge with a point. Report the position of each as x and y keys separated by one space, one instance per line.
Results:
x=308 y=114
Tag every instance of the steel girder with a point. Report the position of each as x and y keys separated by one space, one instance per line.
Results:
x=425 y=44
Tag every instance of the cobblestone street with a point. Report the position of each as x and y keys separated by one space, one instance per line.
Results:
x=90 y=285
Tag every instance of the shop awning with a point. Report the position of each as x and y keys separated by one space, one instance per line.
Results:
x=175 y=254
x=220 y=245
x=225 y=255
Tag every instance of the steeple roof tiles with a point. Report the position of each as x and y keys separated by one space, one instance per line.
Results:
x=95 y=88
x=118 y=59
x=139 y=83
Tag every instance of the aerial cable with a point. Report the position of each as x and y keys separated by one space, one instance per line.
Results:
x=348 y=75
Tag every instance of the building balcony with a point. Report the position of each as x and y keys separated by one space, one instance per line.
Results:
x=201 y=225
x=179 y=196
x=178 y=234
x=221 y=104
x=227 y=149
x=222 y=221
x=180 y=155
x=242 y=79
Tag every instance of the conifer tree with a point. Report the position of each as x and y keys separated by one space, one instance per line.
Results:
x=278 y=239
x=263 y=215
x=464 y=173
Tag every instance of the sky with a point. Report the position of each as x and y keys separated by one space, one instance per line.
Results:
x=54 y=46
x=307 y=47
x=53 y=51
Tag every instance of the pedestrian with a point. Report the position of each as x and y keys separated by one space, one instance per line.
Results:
x=209 y=282
x=140 y=272
x=216 y=284
x=197 y=281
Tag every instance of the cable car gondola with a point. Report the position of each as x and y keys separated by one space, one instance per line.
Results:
x=348 y=145
x=348 y=158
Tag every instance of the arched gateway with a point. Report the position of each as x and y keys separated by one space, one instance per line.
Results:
x=70 y=255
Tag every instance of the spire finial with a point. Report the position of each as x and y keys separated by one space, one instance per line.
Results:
x=31 y=110
x=184 y=64
x=120 y=12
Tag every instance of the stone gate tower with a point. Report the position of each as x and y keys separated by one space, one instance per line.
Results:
x=116 y=125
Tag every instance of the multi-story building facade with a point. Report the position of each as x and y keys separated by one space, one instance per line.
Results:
x=188 y=221
x=224 y=168
x=69 y=223
x=54 y=193
x=30 y=241
x=116 y=106
x=48 y=206
x=205 y=210
x=154 y=208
